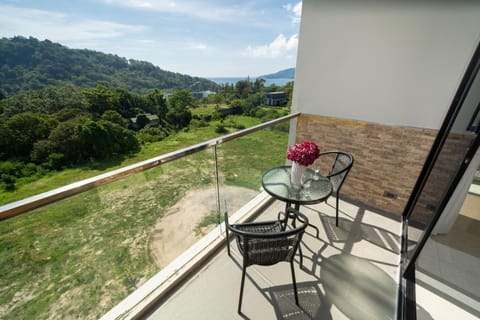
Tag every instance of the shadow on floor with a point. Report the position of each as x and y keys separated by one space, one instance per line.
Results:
x=344 y=275
x=349 y=231
x=357 y=287
x=313 y=305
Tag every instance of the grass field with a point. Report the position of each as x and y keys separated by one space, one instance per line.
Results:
x=79 y=257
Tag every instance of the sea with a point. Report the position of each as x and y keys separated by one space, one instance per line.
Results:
x=268 y=82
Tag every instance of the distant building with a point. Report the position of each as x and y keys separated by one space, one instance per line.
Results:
x=153 y=119
x=201 y=94
x=278 y=98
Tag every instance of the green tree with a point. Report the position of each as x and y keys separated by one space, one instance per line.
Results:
x=46 y=101
x=142 y=121
x=216 y=98
x=252 y=102
x=237 y=105
x=128 y=102
x=122 y=141
x=258 y=85
x=288 y=88
x=41 y=150
x=157 y=102
x=67 y=114
x=115 y=117
x=81 y=139
x=178 y=114
x=102 y=98
x=243 y=88
x=19 y=133
x=65 y=140
x=94 y=140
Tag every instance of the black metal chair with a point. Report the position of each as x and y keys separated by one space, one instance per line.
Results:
x=341 y=164
x=267 y=243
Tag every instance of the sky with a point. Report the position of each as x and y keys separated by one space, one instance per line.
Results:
x=217 y=38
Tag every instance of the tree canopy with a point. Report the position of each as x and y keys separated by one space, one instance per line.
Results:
x=30 y=64
x=178 y=105
x=67 y=125
x=62 y=126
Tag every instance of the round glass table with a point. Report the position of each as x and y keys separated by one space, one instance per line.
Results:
x=315 y=189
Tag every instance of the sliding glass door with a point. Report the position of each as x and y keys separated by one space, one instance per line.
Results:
x=441 y=240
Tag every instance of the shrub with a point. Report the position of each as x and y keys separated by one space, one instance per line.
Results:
x=15 y=173
x=55 y=161
x=11 y=168
x=30 y=169
x=217 y=115
x=147 y=135
x=221 y=129
x=8 y=182
x=196 y=123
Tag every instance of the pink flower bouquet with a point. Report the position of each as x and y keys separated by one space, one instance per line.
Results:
x=304 y=153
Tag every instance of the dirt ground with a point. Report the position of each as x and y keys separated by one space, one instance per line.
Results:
x=174 y=232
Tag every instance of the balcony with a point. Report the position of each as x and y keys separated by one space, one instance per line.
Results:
x=140 y=245
x=147 y=240
x=350 y=272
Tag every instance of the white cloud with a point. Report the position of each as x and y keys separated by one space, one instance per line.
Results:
x=200 y=37
x=199 y=9
x=133 y=3
x=198 y=46
x=59 y=27
x=295 y=10
x=281 y=46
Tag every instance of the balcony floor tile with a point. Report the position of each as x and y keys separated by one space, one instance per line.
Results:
x=350 y=272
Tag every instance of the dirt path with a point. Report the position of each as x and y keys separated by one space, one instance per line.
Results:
x=174 y=233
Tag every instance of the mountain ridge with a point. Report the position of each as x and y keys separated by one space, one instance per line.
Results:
x=282 y=74
x=31 y=64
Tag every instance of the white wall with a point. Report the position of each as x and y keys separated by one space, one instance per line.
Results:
x=397 y=64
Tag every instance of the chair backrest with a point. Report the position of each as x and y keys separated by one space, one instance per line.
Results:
x=341 y=166
x=268 y=243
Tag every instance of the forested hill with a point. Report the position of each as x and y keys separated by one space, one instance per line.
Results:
x=29 y=64
x=286 y=74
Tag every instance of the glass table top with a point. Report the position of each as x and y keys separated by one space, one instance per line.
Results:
x=316 y=188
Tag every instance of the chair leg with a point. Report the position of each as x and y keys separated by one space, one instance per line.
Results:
x=301 y=255
x=316 y=229
x=241 y=290
x=294 y=282
x=336 y=208
x=228 y=242
x=227 y=233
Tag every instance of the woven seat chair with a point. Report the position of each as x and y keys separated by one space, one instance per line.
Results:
x=267 y=243
x=340 y=167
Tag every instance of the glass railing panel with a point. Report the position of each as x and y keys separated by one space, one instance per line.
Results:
x=242 y=162
x=79 y=257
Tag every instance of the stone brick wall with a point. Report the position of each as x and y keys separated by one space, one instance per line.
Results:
x=388 y=159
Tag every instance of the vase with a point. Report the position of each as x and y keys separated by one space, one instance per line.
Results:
x=296 y=174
